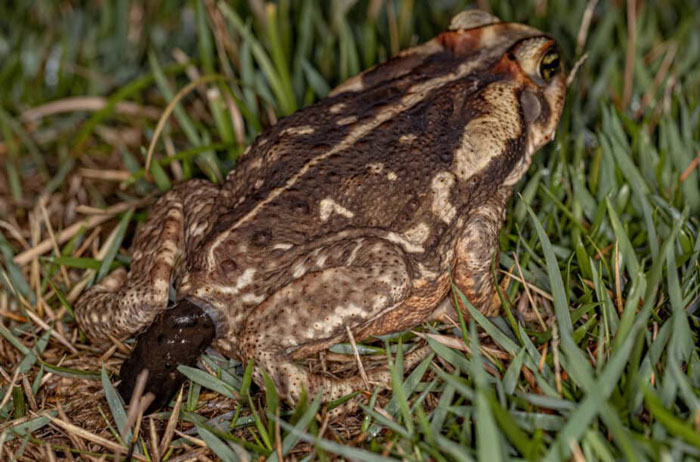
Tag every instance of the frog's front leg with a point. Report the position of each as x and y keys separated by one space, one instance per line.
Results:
x=313 y=312
x=122 y=304
x=475 y=250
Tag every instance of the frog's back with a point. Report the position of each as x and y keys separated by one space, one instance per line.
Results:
x=360 y=159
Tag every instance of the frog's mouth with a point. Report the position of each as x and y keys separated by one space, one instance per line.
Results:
x=178 y=335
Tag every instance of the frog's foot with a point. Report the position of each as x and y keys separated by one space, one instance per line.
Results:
x=178 y=335
x=446 y=312
x=380 y=376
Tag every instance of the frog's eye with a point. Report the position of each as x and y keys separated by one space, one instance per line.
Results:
x=550 y=65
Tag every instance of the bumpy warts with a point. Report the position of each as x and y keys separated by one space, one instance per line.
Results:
x=351 y=214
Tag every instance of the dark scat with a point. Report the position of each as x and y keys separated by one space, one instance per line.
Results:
x=178 y=335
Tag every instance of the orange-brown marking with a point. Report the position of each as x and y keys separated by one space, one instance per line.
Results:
x=461 y=42
x=508 y=66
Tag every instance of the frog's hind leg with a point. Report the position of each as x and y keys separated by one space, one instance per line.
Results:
x=122 y=304
x=316 y=309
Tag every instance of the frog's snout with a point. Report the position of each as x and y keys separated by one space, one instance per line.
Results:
x=178 y=335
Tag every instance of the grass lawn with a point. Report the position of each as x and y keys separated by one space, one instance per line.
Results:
x=595 y=355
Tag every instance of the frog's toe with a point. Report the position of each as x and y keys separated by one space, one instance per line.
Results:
x=178 y=335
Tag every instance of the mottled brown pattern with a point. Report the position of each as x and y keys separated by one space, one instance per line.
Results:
x=351 y=213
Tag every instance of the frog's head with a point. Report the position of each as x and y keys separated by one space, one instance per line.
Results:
x=521 y=87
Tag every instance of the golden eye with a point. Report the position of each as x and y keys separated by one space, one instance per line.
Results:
x=550 y=65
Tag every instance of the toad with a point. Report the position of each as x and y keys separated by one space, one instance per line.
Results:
x=349 y=215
